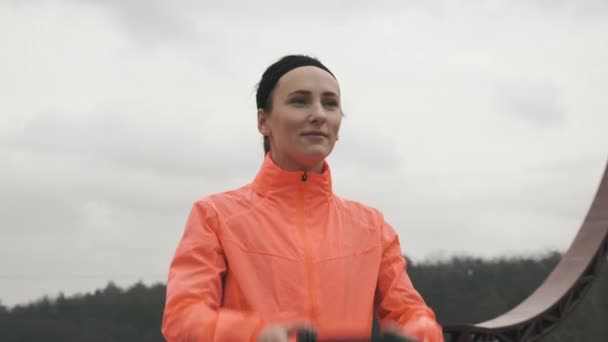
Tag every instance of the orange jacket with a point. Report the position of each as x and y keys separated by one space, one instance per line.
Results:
x=286 y=248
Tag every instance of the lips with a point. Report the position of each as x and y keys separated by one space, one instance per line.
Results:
x=315 y=134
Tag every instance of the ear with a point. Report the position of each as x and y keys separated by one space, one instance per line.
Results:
x=263 y=127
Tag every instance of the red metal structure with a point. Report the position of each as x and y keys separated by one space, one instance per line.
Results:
x=559 y=293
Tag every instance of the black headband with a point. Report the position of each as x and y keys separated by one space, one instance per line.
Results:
x=277 y=70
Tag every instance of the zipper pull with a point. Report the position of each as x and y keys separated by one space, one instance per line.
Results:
x=304 y=176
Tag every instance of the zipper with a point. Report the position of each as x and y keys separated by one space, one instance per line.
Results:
x=305 y=233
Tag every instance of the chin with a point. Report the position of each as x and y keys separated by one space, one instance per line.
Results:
x=313 y=156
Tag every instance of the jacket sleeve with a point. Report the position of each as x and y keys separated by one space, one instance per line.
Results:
x=397 y=301
x=193 y=310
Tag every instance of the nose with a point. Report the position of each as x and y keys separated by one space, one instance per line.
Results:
x=318 y=114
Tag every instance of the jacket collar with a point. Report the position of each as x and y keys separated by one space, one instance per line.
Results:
x=271 y=179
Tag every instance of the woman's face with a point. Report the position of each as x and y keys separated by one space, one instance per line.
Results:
x=305 y=118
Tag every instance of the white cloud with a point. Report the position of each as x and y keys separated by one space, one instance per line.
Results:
x=476 y=127
x=535 y=101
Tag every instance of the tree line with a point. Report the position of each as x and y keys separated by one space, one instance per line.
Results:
x=460 y=290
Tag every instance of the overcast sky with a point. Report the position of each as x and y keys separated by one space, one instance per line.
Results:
x=476 y=127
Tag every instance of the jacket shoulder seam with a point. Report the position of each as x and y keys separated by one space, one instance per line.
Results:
x=222 y=221
x=246 y=250
x=374 y=213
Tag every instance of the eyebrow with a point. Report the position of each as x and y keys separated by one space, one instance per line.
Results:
x=308 y=92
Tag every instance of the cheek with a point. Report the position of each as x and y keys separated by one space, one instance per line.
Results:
x=334 y=124
x=285 y=127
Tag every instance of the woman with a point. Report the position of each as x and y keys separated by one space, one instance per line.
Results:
x=284 y=252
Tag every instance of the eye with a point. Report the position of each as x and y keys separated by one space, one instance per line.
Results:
x=298 y=100
x=331 y=103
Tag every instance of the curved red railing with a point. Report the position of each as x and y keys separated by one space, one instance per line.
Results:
x=559 y=293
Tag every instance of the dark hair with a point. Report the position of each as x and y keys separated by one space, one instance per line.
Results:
x=272 y=75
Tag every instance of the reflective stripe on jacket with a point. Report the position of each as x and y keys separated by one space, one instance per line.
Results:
x=285 y=248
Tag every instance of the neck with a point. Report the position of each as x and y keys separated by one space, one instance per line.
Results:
x=291 y=165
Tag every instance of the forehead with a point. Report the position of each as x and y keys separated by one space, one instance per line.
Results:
x=308 y=78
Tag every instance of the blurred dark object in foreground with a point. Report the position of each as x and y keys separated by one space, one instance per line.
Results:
x=308 y=336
